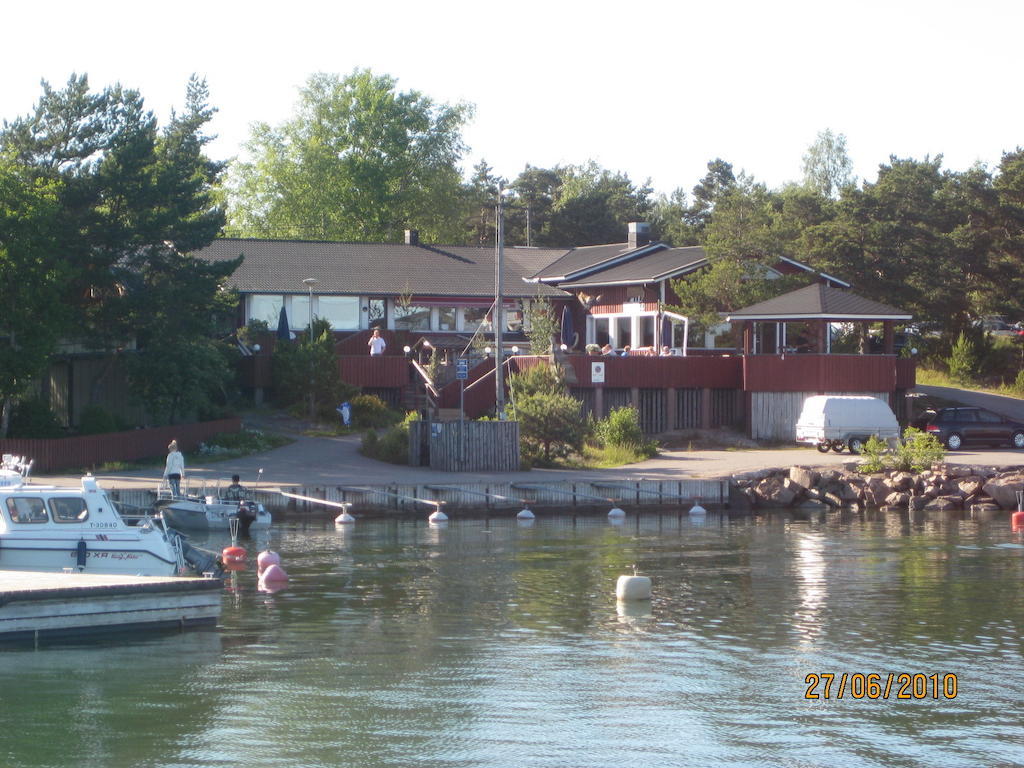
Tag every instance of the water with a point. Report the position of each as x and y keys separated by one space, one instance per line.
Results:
x=488 y=643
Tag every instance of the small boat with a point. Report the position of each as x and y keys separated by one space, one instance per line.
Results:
x=213 y=512
x=51 y=528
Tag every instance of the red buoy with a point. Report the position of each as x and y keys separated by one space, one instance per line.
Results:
x=1017 y=520
x=233 y=555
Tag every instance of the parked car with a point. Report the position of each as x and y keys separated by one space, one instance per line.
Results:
x=957 y=427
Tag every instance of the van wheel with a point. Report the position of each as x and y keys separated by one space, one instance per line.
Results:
x=856 y=445
x=1017 y=440
x=954 y=441
x=838 y=445
x=823 y=447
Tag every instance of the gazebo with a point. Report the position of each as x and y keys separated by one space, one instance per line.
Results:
x=788 y=356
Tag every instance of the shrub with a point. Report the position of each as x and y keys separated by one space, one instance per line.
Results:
x=963 y=360
x=32 y=418
x=393 y=445
x=622 y=427
x=550 y=425
x=915 y=453
x=97 y=420
x=371 y=411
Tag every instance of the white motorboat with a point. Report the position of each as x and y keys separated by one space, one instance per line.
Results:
x=50 y=528
x=213 y=511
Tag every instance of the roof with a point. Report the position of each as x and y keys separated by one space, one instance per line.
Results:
x=660 y=265
x=386 y=269
x=582 y=260
x=819 y=301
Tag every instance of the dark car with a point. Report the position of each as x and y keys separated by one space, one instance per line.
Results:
x=956 y=427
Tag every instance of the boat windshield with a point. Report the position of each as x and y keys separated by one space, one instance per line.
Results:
x=68 y=509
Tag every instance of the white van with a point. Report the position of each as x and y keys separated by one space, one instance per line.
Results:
x=845 y=421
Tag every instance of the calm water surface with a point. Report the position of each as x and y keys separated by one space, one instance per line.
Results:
x=487 y=643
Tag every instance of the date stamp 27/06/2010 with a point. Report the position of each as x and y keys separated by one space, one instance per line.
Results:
x=888 y=685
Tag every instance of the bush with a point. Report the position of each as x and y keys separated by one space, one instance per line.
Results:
x=622 y=430
x=963 y=360
x=32 y=418
x=97 y=420
x=393 y=445
x=234 y=444
x=915 y=453
x=371 y=411
x=551 y=425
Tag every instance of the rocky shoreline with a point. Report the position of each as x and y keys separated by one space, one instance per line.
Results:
x=944 y=487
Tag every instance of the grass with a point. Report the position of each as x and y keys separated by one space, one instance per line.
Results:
x=234 y=445
x=931 y=377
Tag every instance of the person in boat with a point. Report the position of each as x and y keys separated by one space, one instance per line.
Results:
x=235 y=491
x=174 y=470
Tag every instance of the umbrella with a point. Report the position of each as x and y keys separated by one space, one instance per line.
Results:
x=283 y=334
x=568 y=337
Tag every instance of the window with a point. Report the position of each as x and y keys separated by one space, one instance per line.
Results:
x=412 y=318
x=446 y=318
x=342 y=312
x=266 y=308
x=475 y=318
x=69 y=509
x=375 y=313
x=298 y=313
x=24 y=510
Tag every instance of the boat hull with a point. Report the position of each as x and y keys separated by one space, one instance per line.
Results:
x=125 y=555
x=189 y=515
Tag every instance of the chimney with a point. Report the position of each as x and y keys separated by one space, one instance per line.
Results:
x=639 y=234
x=412 y=236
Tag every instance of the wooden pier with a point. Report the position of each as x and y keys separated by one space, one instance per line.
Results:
x=36 y=605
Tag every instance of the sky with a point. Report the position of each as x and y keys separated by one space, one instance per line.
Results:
x=652 y=89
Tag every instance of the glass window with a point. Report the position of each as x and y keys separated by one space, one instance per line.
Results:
x=989 y=418
x=623 y=331
x=24 y=510
x=375 y=313
x=646 y=331
x=513 y=320
x=69 y=509
x=475 y=319
x=266 y=308
x=412 y=318
x=446 y=318
x=298 y=313
x=341 y=311
x=602 y=331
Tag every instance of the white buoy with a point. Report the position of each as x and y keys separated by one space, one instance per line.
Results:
x=697 y=511
x=525 y=514
x=437 y=516
x=633 y=587
x=344 y=517
x=616 y=513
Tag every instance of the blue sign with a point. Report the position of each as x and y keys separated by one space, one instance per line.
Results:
x=461 y=368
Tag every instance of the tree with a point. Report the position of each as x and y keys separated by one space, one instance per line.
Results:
x=594 y=206
x=717 y=182
x=550 y=421
x=32 y=280
x=360 y=160
x=307 y=371
x=131 y=203
x=670 y=219
x=827 y=167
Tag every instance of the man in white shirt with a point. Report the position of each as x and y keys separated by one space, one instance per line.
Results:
x=376 y=343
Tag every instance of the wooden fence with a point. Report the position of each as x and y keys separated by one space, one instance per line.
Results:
x=94 y=450
x=465 y=446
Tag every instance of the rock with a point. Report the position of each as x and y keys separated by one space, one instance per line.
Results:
x=917 y=503
x=832 y=499
x=1003 y=489
x=985 y=506
x=903 y=481
x=804 y=476
x=944 y=504
x=897 y=499
x=812 y=505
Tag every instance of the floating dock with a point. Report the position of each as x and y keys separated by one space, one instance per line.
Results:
x=36 y=605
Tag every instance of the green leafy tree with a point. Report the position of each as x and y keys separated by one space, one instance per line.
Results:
x=594 y=206
x=718 y=181
x=306 y=371
x=132 y=202
x=827 y=167
x=963 y=360
x=544 y=325
x=360 y=160
x=670 y=219
x=32 y=280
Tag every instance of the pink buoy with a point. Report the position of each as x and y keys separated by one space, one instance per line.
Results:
x=233 y=556
x=273 y=574
x=266 y=559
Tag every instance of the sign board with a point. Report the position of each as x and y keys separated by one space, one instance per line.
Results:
x=461 y=368
x=597 y=373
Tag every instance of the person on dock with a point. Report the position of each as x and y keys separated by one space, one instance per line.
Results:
x=174 y=470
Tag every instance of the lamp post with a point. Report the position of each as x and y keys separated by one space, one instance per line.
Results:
x=499 y=254
x=309 y=282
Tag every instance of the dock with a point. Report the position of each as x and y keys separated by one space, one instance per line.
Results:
x=36 y=605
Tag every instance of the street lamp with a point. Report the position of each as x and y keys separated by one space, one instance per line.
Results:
x=309 y=282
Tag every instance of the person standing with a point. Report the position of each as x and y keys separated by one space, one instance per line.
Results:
x=174 y=470
x=376 y=343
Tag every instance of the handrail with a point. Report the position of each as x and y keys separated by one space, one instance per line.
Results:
x=427 y=381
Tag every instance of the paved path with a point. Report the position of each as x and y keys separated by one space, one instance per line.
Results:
x=333 y=461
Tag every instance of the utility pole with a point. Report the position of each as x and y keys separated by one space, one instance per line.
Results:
x=309 y=283
x=499 y=357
